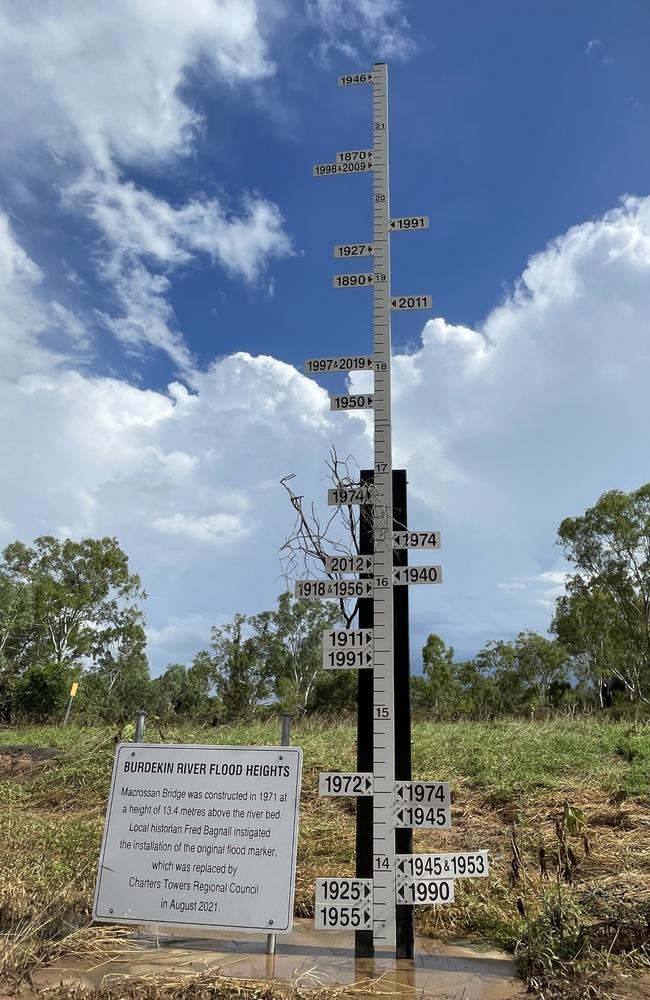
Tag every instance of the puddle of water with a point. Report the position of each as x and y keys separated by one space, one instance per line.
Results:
x=304 y=957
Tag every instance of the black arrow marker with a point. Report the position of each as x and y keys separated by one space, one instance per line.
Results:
x=400 y=866
x=400 y=892
x=367 y=890
x=400 y=791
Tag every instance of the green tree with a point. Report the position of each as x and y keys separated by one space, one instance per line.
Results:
x=609 y=547
x=93 y=703
x=8 y=683
x=168 y=692
x=239 y=666
x=200 y=689
x=41 y=692
x=121 y=662
x=16 y=622
x=516 y=676
x=185 y=693
x=496 y=663
x=543 y=665
x=334 y=693
x=292 y=637
x=441 y=692
x=481 y=698
x=80 y=593
x=587 y=623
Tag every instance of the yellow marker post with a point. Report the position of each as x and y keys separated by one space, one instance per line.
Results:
x=73 y=691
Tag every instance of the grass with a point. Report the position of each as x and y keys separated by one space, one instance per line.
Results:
x=571 y=924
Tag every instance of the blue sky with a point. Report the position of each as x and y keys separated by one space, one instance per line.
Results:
x=160 y=226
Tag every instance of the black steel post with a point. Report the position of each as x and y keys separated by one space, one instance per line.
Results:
x=363 y=940
x=363 y=947
x=404 y=945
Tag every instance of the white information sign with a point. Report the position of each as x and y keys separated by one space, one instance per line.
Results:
x=344 y=495
x=417 y=574
x=416 y=539
x=463 y=864
x=362 y=401
x=353 y=250
x=339 y=783
x=411 y=302
x=354 y=563
x=356 y=364
x=305 y=589
x=343 y=891
x=201 y=836
x=427 y=892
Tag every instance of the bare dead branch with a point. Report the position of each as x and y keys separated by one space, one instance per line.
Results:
x=313 y=537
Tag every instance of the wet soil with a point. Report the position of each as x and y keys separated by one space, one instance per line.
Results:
x=16 y=759
x=308 y=959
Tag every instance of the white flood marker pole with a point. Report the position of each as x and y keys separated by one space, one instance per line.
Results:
x=379 y=911
x=383 y=835
x=285 y=740
x=360 y=903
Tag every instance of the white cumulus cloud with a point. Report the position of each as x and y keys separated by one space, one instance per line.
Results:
x=104 y=81
x=504 y=430
x=104 y=88
x=143 y=239
x=351 y=26
x=213 y=529
x=36 y=332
